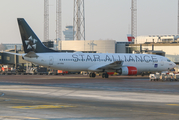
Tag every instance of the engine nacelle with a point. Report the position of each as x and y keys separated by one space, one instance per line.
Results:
x=129 y=70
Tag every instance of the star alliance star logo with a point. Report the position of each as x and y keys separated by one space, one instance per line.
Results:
x=31 y=43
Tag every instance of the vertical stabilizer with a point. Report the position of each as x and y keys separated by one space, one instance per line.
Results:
x=29 y=39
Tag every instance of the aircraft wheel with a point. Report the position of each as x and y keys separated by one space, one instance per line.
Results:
x=93 y=75
x=106 y=75
x=103 y=75
x=90 y=75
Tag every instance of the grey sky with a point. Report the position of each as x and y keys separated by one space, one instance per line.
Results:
x=105 y=19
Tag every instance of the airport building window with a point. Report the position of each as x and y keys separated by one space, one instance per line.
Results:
x=8 y=58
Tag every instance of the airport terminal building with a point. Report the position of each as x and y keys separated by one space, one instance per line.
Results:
x=100 y=46
x=167 y=45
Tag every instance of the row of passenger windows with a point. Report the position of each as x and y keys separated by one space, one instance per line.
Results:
x=104 y=60
x=84 y=60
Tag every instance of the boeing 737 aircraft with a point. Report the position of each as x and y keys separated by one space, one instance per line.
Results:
x=124 y=64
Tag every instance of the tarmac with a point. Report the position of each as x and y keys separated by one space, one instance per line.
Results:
x=78 y=97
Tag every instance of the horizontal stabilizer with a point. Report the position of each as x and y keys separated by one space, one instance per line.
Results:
x=12 y=53
x=31 y=54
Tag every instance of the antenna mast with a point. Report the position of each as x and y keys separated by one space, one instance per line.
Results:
x=79 y=20
x=134 y=18
x=46 y=20
x=58 y=24
x=178 y=18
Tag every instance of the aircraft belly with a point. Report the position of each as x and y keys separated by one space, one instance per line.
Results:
x=78 y=66
x=71 y=66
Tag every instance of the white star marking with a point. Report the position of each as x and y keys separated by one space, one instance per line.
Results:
x=31 y=43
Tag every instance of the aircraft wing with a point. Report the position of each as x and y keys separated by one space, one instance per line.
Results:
x=112 y=66
x=30 y=54
x=12 y=53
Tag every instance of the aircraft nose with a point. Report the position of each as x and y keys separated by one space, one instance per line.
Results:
x=173 y=65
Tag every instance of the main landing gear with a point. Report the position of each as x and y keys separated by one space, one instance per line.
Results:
x=92 y=75
x=105 y=75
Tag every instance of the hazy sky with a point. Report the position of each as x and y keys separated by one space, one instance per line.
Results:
x=105 y=19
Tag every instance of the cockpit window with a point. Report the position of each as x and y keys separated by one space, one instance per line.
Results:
x=168 y=60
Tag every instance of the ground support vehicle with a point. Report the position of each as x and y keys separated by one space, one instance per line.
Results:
x=164 y=77
x=152 y=77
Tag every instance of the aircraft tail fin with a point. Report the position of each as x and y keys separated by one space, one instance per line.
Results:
x=29 y=39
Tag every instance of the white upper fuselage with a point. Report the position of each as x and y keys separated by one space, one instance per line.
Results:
x=93 y=61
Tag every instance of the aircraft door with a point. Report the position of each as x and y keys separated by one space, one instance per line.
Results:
x=162 y=62
x=155 y=65
x=51 y=60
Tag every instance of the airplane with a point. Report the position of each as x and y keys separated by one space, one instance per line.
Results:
x=123 y=64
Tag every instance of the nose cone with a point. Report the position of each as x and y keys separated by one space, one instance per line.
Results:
x=172 y=65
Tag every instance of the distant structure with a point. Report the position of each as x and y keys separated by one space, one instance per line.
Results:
x=178 y=18
x=69 y=32
x=99 y=46
x=79 y=20
x=2 y=47
x=10 y=46
x=134 y=18
x=58 y=23
x=92 y=44
x=46 y=20
x=157 y=39
x=130 y=38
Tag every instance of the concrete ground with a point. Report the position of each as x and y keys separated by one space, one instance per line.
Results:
x=78 y=97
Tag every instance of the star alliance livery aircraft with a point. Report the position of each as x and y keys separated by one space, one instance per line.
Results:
x=124 y=64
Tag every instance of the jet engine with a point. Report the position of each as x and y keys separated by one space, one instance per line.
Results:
x=129 y=70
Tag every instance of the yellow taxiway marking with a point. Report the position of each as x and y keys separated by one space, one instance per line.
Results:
x=42 y=106
x=17 y=117
x=15 y=89
x=173 y=104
